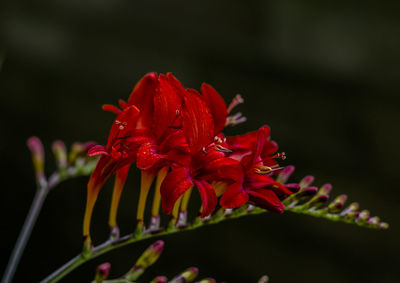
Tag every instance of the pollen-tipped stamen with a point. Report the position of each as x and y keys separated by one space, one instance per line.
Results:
x=263 y=170
x=145 y=184
x=238 y=99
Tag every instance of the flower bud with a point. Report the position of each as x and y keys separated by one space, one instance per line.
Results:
x=102 y=272
x=263 y=279
x=60 y=153
x=364 y=215
x=306 y=181
x=207 y=280
x=285 y=174
x=36 y=147
x=187 y=276
x=150 y=255
x=325 y=189
x=160 y=279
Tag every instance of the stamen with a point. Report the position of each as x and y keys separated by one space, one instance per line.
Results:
x=235 y=102
x=236 y=119
x=204 y=150
x=280 y=155
x=220 y=148
x=263 y=170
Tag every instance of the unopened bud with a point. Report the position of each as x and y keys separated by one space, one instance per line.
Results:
x=364 y=215
x=294 y=188
x=79 y=150
x=36 y=147
x=263 y=279
x=349 y=212
x=207 y=280
x=102 y=272
x=285 y=174
x=383 y=225
x=160 y=279
x=325 y=189
x=373 y=220
x=150 y=255
x=306 y=181
x=187 y=276
x=60 y=153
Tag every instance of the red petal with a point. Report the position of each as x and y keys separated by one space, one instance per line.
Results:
x=232 y=172
x=174 y=185
x=97 y=149
x=147 y=156
x=267 y=199
x=217 y=106
x=167 y=104
x=234 y=196
x=208 y=197
x=122 y=103
x=197 y=122
x=262 y=137
x=111 y=108
x=142 y=97
x=123 y=125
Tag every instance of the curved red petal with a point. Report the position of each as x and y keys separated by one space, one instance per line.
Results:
x=167 y=104
x=124 y=125
x=142 y=97
x=197 y=122
x=96 y=150
x=208 y=197
x=266 y=199
x=217 y=107
x=174 y=185
x=234 y=196
x=111 y=108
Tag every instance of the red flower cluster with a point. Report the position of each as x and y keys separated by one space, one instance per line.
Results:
x=177 y=133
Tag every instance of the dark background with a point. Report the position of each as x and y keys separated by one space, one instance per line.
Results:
x=323 y=74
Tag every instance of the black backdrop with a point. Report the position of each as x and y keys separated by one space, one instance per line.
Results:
x=323 y=74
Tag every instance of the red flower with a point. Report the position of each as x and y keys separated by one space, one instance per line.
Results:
x=205 y=160
x=251 y=180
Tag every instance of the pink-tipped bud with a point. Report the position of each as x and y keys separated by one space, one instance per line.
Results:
x=285 y=174
x=306 y=181
x=160 y=279
x=207 y=280
x=60 y=153
x=150 y=255
x=36 y=147
x=102 y=272
x=104 y=269
x=79 y=149
x=263 y=279
x=187 y=276
x=325 y=189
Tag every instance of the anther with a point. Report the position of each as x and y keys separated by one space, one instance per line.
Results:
x=267 y=169
x=220 y=148
x=280 y=155
x=235 y=101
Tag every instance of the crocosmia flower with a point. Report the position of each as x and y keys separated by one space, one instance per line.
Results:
x=176 y=134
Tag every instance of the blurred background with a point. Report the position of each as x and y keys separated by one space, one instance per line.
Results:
x=323 y=74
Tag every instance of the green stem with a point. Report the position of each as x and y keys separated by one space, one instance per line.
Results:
x=219 y=216
x=26 y=231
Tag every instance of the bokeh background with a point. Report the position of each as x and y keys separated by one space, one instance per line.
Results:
x=323 y=74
